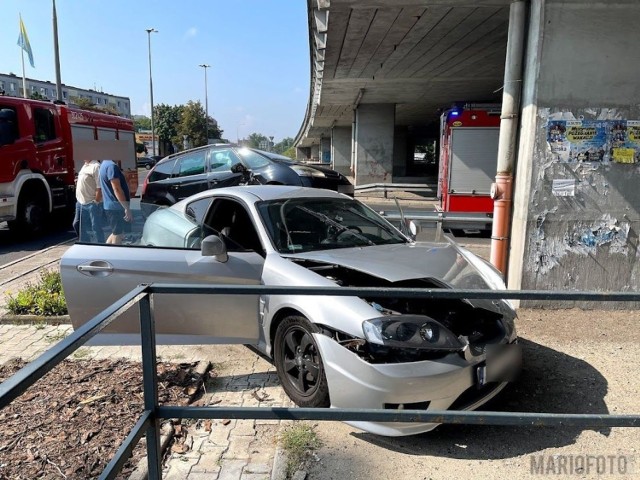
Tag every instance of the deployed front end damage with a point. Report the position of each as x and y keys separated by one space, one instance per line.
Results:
x=420 y=354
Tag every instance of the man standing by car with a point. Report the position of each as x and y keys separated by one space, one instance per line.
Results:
x=88 y=197
x=115 y=193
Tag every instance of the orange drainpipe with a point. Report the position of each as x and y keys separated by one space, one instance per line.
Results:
x=502 y=195
x=502 y=189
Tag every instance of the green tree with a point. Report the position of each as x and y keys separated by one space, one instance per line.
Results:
x=83 y=102
x=167 y=121
x=283 y=145
x=193 y=123
x=36 y=96
x=290 y=152
x=142 y=122
x=255 y=139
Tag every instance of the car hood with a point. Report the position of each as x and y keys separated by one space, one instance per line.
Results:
x=400 y=262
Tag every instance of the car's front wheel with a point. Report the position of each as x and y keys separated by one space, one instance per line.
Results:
x=299 y=364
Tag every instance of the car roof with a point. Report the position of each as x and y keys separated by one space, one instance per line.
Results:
x=255 y=193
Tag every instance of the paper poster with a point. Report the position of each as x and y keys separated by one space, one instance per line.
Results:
x=589 y=141
x=564 y=187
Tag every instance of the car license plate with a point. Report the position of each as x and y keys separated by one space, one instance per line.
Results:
x=500 y=366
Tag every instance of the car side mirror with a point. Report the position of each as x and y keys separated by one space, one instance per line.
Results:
x=213 y=246
x=239 y=168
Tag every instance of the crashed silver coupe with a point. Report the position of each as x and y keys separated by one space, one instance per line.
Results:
x=386 y=353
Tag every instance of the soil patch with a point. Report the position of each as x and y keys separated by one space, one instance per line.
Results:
x=72 y=421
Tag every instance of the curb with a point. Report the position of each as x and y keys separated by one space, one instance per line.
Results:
x=10 y=319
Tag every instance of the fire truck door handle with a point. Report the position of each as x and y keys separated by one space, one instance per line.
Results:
x=59 y=160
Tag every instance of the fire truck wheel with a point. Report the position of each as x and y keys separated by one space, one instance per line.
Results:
x=31 y=216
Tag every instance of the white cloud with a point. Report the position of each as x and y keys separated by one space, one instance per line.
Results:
x=192 y=32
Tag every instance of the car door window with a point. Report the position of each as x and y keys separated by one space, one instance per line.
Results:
x=222 y=160
x=234 y=225
x=198 y=209
x=191 y=164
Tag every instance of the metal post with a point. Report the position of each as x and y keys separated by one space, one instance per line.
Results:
x=153 y=128
x=206 y=101
x=502 y=188
x=150 y=386
x=56 y=51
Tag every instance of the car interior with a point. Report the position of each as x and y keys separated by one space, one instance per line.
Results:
x=235 y=226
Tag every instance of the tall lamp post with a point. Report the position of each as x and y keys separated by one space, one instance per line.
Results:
x=153 y=128
x=206 y=100
x=238 y=133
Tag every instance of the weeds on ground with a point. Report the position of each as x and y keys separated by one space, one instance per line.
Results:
x=81 y=353
x=43 y=298
x=298 y=441
x=55 y=337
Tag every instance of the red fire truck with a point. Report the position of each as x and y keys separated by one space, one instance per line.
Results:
x=42 y=147
x=468 y=161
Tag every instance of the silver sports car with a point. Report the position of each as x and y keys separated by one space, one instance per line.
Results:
x=389 y=353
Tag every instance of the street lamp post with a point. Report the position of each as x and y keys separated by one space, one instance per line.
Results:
x=238 y=132
x=206 y=100
x=153 y=127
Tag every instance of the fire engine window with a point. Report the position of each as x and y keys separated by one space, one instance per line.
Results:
x=8 y=125
x=45 y=125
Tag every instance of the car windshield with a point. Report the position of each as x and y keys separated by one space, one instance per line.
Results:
x=308 y=224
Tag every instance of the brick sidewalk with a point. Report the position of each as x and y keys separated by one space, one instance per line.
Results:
x=233 y=450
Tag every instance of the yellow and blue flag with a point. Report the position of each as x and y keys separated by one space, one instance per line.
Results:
x=23 y=42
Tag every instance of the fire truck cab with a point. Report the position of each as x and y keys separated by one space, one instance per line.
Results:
x=43 y=146
x=468 y=160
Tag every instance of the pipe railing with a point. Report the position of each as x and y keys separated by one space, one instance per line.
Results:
x=148 y=423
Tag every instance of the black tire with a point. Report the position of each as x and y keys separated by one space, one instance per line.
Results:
x=32 y=215
x=147 y=166
x=298 y=363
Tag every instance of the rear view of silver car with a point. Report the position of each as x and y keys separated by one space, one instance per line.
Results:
x=374 y=352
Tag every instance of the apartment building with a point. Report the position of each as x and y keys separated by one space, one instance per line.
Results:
x=11 y=85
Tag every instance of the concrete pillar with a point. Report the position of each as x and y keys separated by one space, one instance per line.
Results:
x=374 y=143
x=576 y=214
x=325 y=149
x=315 y=153
x=303 y=154
x=400 y=148
x=341 y=150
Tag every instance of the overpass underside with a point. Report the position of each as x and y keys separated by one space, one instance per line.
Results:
x=383 y=70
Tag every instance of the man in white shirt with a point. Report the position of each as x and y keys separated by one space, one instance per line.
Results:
x=89 y=213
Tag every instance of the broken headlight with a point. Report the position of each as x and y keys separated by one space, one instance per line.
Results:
x=410 y=331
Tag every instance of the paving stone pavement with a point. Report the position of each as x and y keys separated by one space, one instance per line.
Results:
x=233 y=449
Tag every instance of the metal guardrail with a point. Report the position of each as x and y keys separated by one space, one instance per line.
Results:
x=441 y=219
x=397 y=187
x=148 y=423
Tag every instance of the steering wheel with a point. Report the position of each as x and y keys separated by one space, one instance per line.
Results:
x=344 y=234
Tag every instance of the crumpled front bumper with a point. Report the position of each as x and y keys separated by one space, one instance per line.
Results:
x=354 y=383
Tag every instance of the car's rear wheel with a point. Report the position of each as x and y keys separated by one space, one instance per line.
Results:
x=299 y=364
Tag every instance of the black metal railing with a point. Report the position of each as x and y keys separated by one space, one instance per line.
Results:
x=148 y=423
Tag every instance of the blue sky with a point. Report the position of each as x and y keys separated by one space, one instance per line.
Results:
x=258 y=51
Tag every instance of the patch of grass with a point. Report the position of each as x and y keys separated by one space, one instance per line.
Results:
x=81 y=353
x=43 y=298
x=55 y=337
x=298 y=441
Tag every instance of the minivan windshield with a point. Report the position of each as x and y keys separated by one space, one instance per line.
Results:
x=308 y=224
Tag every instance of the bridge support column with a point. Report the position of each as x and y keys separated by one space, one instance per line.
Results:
x=373 y=137
x=341 y=150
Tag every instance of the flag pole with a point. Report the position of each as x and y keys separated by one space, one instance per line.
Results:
x=24 y=78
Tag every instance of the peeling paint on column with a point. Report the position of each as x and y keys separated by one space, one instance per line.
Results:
x=586 y=239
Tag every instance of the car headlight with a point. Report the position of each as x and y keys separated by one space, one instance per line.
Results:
x=307 y=171
x=410 y=331
x=490 y=274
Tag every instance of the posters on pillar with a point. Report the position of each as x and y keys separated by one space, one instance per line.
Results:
x=625 y=141
x=594 y=140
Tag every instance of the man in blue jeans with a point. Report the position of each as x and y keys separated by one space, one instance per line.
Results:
x=115 y=194
x=88 y=216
